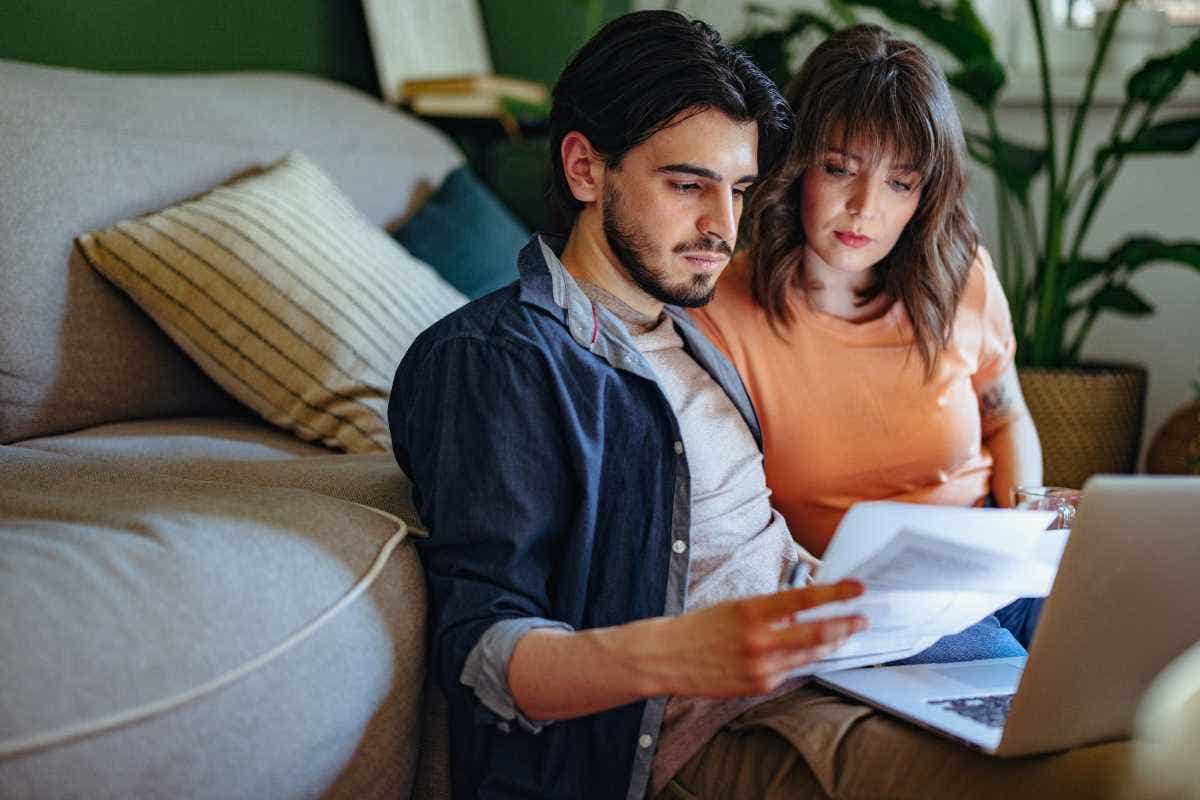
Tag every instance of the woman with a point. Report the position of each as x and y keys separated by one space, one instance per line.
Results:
x=864 y=317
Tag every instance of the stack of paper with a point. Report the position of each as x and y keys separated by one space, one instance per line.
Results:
x=930 y=571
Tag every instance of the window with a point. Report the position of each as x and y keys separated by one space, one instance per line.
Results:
x=1082 y=13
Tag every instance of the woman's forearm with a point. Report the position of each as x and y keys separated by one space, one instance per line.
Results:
x=1016 y=457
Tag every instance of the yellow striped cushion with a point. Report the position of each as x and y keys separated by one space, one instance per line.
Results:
x=283 y=294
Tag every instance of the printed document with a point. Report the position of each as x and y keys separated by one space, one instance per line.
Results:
x=930 y=571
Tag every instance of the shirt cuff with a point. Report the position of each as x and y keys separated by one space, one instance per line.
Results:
x=486 y=668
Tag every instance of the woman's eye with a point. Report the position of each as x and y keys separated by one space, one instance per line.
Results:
x=835 y=169
x=902 y=186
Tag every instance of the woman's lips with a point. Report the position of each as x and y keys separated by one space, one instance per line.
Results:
x=852 y=239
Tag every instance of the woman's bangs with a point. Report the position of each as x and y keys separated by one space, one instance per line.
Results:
x=881 y=128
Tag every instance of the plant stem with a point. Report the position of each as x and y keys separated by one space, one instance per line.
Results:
x=1008 y=268
x=1085 y=328
x=1104 y=182
x=1085 y=104
x=1045 y=337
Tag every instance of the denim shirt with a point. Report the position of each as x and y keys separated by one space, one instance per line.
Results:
x=549 y=468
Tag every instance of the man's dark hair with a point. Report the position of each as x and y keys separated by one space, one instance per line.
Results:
x=636 y=75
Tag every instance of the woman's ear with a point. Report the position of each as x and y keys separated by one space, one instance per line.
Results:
x=582 y=167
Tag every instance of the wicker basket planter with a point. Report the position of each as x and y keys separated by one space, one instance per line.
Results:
x=1089 y=418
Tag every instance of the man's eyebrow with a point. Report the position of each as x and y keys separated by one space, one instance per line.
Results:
x=703 y=172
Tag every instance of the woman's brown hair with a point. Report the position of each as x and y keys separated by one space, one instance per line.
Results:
x=864 y=85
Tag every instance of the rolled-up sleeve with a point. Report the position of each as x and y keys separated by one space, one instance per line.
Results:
x=486 y=670
x=477 y=428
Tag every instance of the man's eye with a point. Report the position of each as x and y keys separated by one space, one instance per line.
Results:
x=684 y=188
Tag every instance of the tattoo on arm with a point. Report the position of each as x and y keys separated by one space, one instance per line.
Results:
x=996 y=405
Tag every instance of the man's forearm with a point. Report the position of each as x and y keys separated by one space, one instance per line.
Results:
x=739 y=647
x=557 y=674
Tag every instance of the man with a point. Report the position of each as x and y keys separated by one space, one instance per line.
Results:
x=589 y=467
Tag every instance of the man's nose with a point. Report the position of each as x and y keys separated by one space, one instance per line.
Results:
x=720 y=219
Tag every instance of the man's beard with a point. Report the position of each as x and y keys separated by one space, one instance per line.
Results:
x=633 y=246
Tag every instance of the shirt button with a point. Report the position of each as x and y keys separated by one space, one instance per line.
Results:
x=679 y=448
x=644 y=741
x=679 y=546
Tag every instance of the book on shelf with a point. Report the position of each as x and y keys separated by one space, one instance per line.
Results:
x=434 y=57
x=480 y=85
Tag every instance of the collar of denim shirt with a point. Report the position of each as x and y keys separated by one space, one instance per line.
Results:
x=547 y=284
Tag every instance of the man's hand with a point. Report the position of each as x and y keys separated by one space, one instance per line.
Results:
x=747 y=646
x=739 y=647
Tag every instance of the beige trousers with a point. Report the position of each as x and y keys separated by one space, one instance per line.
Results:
x=811 y=743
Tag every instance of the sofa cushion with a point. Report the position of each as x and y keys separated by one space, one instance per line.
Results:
x=80 y=150
x=284 y=294
x=466 y=234
x=241 y=452
x=138 y=613
x=152 y=442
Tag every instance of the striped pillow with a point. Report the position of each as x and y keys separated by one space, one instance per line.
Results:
x=284 y=294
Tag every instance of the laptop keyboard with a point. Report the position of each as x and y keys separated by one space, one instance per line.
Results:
x=990 y=710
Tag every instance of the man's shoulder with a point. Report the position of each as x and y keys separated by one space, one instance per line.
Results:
x=498 y=321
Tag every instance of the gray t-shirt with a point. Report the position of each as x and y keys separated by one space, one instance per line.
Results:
x=740 y=545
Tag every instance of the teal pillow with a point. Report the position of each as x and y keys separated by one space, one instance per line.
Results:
x=467 y=235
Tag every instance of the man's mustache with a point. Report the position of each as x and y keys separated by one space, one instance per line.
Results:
x=718 y=246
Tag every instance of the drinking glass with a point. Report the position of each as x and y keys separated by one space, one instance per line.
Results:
x=1062 y=501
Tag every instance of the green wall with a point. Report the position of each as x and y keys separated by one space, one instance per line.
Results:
x=322 y=37
x=528 y=38
x=535 y=38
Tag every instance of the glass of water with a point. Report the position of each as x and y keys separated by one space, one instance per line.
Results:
x=1062 y=501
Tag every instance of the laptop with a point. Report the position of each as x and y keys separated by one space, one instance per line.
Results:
x=1122 y=606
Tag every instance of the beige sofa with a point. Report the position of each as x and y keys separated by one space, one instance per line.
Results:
x=195 y=603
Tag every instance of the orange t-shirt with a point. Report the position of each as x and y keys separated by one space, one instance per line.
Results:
x=845 y=410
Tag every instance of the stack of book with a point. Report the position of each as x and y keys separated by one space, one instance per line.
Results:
x=472 y=95
x=433 y=58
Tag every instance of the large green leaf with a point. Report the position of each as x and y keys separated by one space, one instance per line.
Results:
x=768 y=38
x=1159 y=77
x=981 y=80
x=1172 y=136
x=956 y=28
x=1081 y=270
x=1122 y=300
x=1016 y=165
x=1138 y=251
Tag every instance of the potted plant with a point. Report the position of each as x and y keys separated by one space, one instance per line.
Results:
x=1089 y=415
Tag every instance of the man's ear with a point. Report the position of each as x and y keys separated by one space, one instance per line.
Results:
x=582 y=167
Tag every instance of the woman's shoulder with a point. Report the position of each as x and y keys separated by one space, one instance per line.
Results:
x=981 y=280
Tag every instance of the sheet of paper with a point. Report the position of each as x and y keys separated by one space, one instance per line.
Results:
x=930 y=572
x=918 y=560
x=867 y=526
